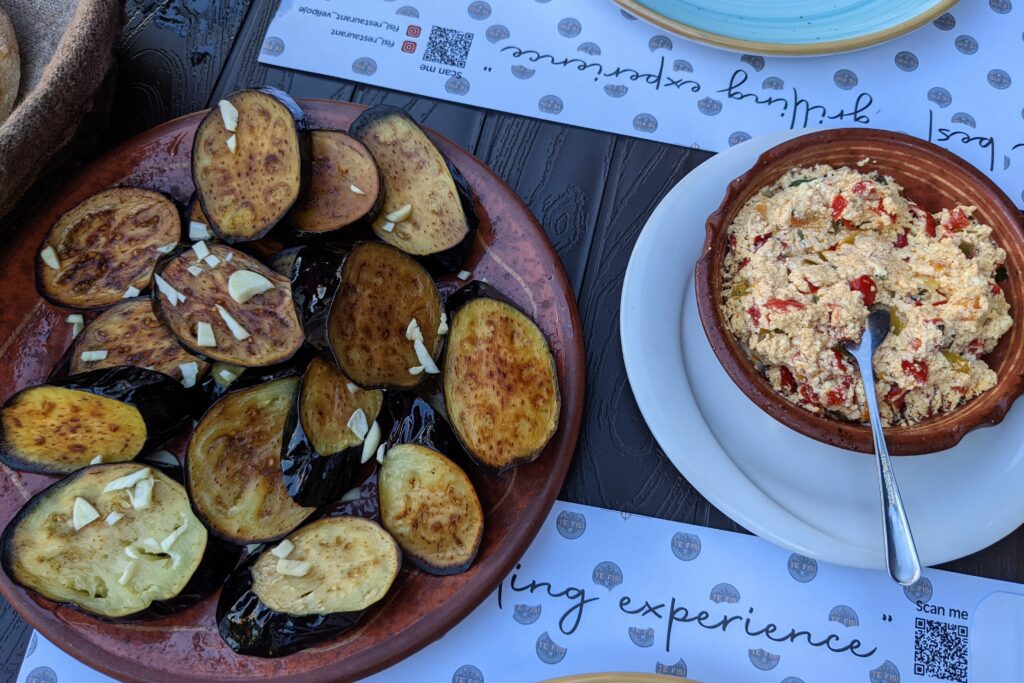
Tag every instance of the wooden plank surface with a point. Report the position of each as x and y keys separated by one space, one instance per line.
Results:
x=591 y=191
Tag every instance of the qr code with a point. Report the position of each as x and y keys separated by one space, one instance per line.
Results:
x=940 y=650
x=448 y=46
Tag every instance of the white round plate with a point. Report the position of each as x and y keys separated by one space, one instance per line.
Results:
x=814 y=499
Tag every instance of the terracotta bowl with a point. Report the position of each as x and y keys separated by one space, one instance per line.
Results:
x=932 y=177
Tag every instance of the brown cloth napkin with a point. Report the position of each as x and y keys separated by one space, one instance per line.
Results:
x=67 y=49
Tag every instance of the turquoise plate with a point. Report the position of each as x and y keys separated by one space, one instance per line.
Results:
x=788 y=27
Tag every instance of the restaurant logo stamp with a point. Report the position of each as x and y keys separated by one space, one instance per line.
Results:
x=725 y=592
x=550 y=104
x=607 y=574
x=526 y=614
x=467 y=673
x=645 y=123
x=570 y=524
x=945 y=23
x=615 y=89
x=963 y=119
x=1000 y=6
x=919 y=591
x=756 y=61
x=999 y=79
x=762 y=659
x=41 y=674
x=792 y=679
x=32 y=643
x=677 y=669
x=457 y=85
x=569 y=27
x=886 y=672
x=273 y=46
x=966 y=44
x=641 y=637
x=548 y=651
x=522 y=72
x=773 y=83
x=801 y=568
x=364 y=66
x=659 y=42
x=479 y=10
x=591 y=49
x=709 y=106
x=940 y=96
x=738 y=137
x=408 y=11
x=497 y=33
x=842 y=614
x=685 y=546
x=682 y=65
x=845 y=79
x=906 y=61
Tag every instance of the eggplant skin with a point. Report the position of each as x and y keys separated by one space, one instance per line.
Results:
x=414 y=172
x=320 y=455
x=106 y=244
x=431 y=508
x=131 y=334
x=233 y=465
x=348 y=555
x=382 y=290
x=315 y=273
x=117 y=413
x=246 y=193
x=500 y=383
x=41 y=551
x=328 y=203
x=269 y=318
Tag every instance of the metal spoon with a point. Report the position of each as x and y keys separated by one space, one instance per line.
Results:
x=900 y=552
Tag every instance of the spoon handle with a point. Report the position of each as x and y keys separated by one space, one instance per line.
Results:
x=900 y=551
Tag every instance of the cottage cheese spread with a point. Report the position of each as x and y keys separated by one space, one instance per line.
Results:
x=808 y=256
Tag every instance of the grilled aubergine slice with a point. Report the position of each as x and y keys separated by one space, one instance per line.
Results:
x=310 y=588
x=118 y=541
x=105 y=249
x=113 y=414
x=233 y=465
x=428 y=207
x=384 y=325
x=330 y=431
x=131 y=334
x=248 y=161
x=431 y=508
x=500 y=380
x=226 y=306
x=344 y=185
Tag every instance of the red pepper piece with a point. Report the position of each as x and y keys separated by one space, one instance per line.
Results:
x=860 y=187
x=915 y=344
x=761 y=239
x=897 y=398
x=838 y=206
x=918 y=369
x=975 y=347
x=811 y=288
x=866 y=286
x=755 y=314
x=901 y=240
x=783 y=305
x=839 y=360
x=808 y=395
x=957 y=219
x=743 y=264
x=996 y=289
x=786 y=379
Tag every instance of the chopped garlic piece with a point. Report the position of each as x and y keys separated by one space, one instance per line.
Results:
x=128 y=480
x=126 y=575
x=356 y=189
x=381 y=452
x=464 y=275
x=233 y=143
x=371 y=442
x=245 y=284
x=357 y=423
x=442 y=328
x=351 y=495
x=229 y=115
x=76 y=329
x=83 y=513
x=226 y=374
x=416 y=369
x=113 y=518
x=131 y=292
x=75 y=318
x=167 y=248
x=198 y=231
x=201 y=250
x=93 y=356
x=282 y=549
x=162 y=457
x=173 y=295
x=165 y=545
x=388 y=227
x=96 y=460
x=293 y=567
x=212 y=260
x=142 y=494
x=413 y=332
x=194 y=271
x=352 y=388
x=149 y=544
x=230 y=255
x=204 y=335
x=49 y=256
x=239 y=332
x=132 y=552
x=401 y=214
x=423 y=356
x=189 y=372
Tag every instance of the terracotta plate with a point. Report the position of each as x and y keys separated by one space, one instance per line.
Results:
x=932 y=177
x=512 y=252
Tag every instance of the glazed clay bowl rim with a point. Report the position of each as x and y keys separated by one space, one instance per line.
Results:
x=995 y=208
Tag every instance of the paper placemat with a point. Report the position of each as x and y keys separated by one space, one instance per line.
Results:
x=606 y=591
x=958 y=81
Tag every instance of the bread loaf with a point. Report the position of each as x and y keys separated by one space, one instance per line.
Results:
x=10 y=66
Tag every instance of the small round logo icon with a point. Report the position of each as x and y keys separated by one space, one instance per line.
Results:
x=457 y=85
x=724 y=592
x=479 y=10
x=641 y=637
x=738 y=137
x=964 y=119
x=1000 y=6
x=615 y=90
x=773 y=83
x=548 y=650
x=364 y=66
x=273 y=46
x=550 y=104
x=591 y=49
x=682 y=65
x=569 y=27
x=801 y=568
x=845 y=79
x=607 y=574
x=522 y=72
x=467 y=673
x=41 y=674
x=999 y=79
x=645 y=123
x=919 y=591
x=659 y=42
x=906 y=61
x=756 y=61
x=408 y=11
x=677 y=669
x=886 y=672
x=497 y=33
x=709 y=106
x=940 y=96
x=526 y=614
x=966 y=44
x=571 y=524
x=762 y=659
x=843 y=614
x=945 y=23
x=685 y=546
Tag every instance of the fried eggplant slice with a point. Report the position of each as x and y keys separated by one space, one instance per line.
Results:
x=332 y=425
x=344 y=185
x=106 y=248
x=248 y=178
x=315 y=272
x=282 y=602
x=114 y=414
x=428 y=208
x=117 y=541
x=500 y=383
x=431 y=508
x=244 y=307
x=233 y=465
x=131 y=334
x=370 y=324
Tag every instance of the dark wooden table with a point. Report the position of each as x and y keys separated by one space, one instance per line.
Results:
x=591 y=191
